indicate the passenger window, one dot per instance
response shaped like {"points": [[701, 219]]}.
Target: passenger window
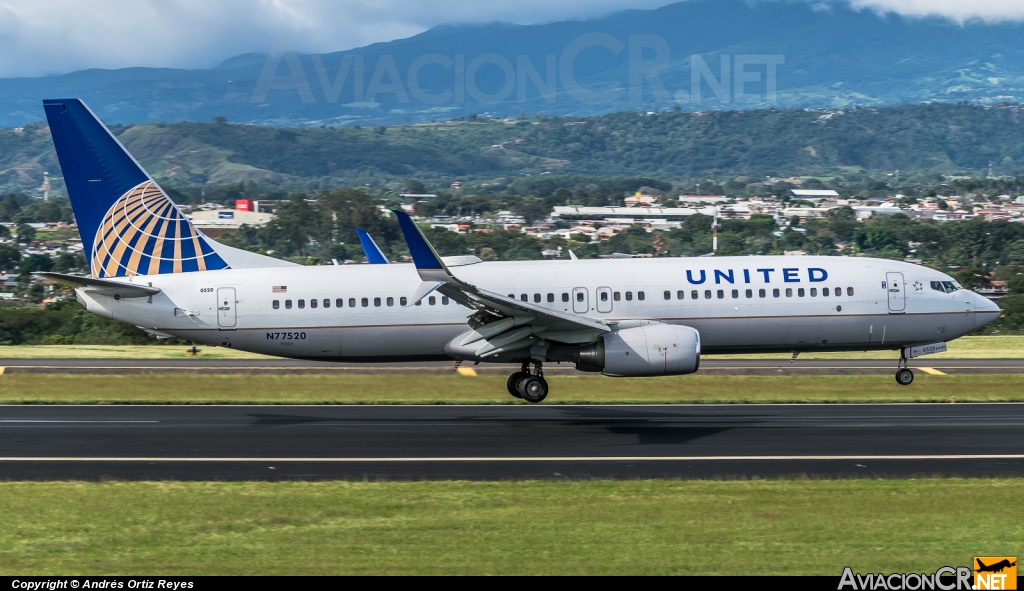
{"points": [[838, 291], [351, 302], [640, 295], [775, 292], [276, 304], [376, 302], [849, 291], [694, 295], [565, 297], [391, 301], [735, 293], [721, 294], [312, 303], [419, 303], [668, 295], [800, 292], [551, 297], [616, 296], [444, 300], [680, 295], [824, 292], [431, 300], [327, 303], [536, 298], [707, 294], [629, 296], [750, 293], [604, 296], [579, 296], [814, 292], [789, 292], [403, 301], [524, 297], [761, 293], [365, 302], [512, 296], [287, 304], [302, 304]]}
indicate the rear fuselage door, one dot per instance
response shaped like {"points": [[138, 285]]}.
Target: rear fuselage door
{"points": [[580, 300], [897, 293], [226, 307], [604, 299]]}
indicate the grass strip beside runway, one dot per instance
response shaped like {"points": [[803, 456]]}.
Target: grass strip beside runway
{"points": [[531, 527], [973, 347], [484, 389]]}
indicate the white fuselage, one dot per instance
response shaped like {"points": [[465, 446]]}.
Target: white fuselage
{"points": [[236, 308]]}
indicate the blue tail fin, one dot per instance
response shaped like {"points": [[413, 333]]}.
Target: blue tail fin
{"points": [[374, 256], [130, 226]]}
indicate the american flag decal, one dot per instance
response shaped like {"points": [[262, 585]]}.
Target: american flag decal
{"points": [[280, 289]]}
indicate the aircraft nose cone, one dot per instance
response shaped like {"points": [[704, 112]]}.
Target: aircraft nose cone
{"points": [[987, 310]]}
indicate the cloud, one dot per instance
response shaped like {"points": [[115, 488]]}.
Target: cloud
{"points": [[956, 10], [56, 36]]}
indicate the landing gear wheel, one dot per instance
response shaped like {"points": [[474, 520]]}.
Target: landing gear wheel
{"points": [[533, 389], [513, 383], [904, 376]]}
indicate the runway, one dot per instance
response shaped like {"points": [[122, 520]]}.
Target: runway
{"points": [[708, 365], [501, 442]]}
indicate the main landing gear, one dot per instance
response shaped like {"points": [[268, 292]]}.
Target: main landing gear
{"points": [[531, 387], [904, 376]]}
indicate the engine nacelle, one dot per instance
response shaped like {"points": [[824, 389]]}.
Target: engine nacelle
{"points": [[652, 350]]}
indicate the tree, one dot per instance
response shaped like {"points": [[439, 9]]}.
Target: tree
{"points": [[1015, 253], [220, 119], [26, 233], [415, 187], [9, 257]]}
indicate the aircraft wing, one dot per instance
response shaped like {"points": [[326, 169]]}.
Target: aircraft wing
{"points": [[107, 287], [436, 275], [374, 256]]}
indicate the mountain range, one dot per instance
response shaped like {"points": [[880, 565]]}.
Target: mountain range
{"points": [[695, 56]]}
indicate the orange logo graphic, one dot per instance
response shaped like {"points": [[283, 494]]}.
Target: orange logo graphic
{"points": [[995, 572]]}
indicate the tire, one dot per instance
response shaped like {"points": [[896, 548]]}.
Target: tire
{"points": [[513, 383], [533, 389], [904, 376]]}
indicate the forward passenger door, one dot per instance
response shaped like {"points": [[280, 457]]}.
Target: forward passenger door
{"points": [[897, 294]]}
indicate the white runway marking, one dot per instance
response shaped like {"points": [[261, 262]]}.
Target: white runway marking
{"points": [[520, 459], [55, 421]]}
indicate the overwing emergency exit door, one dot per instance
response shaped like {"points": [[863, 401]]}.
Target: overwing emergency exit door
{"points": [[580, 300], [604, 299], [897, 294], [226, 307]]}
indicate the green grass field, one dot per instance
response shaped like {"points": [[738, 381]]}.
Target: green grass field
{"points": [[485, 389], [986, 347], [531, 527]]}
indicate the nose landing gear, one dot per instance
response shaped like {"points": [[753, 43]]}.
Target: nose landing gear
{"points": [[904, 376], [531, 387]]}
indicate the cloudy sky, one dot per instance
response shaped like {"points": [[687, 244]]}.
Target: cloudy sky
{"points": [[56, 36]]}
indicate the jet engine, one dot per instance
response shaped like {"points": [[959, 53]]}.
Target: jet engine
{"points": [[651, 350]]}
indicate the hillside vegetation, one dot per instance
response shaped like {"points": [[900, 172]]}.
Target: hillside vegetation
{"points": [[935, 137]]}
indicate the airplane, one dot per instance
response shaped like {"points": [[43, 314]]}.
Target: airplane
{"points": [[994, 568], [620, 317]]}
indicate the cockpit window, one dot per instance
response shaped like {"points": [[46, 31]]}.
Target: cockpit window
{"points": [[945, 286]]}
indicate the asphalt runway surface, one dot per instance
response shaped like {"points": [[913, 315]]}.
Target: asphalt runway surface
{"points": [[509, 442], [708, 365]]}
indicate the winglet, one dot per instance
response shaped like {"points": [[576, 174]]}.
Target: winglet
{"points": [[572, 255], [374, 256], [428, 263]]}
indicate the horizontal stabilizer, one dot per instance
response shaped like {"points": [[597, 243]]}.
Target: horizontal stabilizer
{"points": [[107, 287]]}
